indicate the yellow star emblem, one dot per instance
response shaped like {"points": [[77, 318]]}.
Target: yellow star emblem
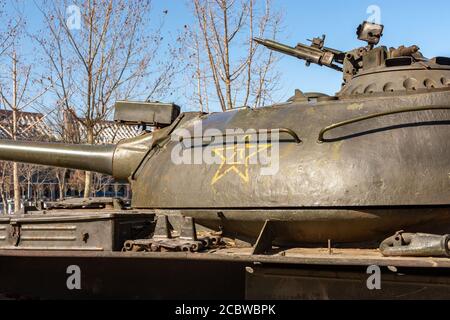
{"points": [[236, 158]]}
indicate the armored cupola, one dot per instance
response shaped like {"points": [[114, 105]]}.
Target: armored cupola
{"points": [[379, 70]]}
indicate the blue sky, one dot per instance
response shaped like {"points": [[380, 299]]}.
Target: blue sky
{"points": [[406, 22]]}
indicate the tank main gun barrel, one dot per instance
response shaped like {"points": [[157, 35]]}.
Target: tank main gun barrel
{"points": [[82, 157], [312, 54], [118, 160]]}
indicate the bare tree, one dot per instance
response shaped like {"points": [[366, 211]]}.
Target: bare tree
{"points": [[65, 128], [8, 28], [76, 181], [240, 72], [5, 183], [112, 55], [17, 96], [20, 88], [197, 73], [101, 182]]}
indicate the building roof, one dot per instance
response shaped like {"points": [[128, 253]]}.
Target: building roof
{"points": [[30, 125], [34, 126], [112, 132]]}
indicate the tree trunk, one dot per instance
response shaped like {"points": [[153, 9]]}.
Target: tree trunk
{"points": [[16, 187], [226, 45], [16, 181], [29, 189], [62, 184], [88, 184], [4, 202], [88, 174]]}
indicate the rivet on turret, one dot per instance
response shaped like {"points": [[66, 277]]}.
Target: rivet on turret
{"points": [[410, 84], [372, 88], [430, 84], [389, 87], [357, 90]]}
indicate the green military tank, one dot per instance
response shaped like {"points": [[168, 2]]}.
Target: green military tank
{"points": [[350, 169]]}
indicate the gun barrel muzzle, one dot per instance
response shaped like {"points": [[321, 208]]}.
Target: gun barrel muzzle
{"points": [[303, 52], [306, 53]]}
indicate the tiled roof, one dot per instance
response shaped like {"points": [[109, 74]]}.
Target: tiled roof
{"points": [[111, 132], [33, 126], [30, 125]]}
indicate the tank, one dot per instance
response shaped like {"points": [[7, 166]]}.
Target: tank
{"points": [[350, 168]]}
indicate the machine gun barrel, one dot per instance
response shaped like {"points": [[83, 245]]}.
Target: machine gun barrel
{"points": [[81, 157], [323, 57]]}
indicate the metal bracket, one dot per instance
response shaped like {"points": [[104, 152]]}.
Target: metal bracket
{"points": [[416, 245], [188, 229], [163, 228], [265, 238], [163, 240]]}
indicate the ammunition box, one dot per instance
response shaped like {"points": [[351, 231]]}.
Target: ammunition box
{"points": [[76, 232]]}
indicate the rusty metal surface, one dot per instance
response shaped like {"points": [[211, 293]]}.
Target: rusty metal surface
{"points": [[298, 256], [416, 245], [163, 239], [86, 203]]}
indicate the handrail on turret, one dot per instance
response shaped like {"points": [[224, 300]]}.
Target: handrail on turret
{"points": [[321, 138]]}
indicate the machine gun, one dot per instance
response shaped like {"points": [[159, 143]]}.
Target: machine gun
{"points": [[347, 62], [315, 53]]}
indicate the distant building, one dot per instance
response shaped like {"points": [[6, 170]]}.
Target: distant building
{"points": [[31, 126], [34, 126]]}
